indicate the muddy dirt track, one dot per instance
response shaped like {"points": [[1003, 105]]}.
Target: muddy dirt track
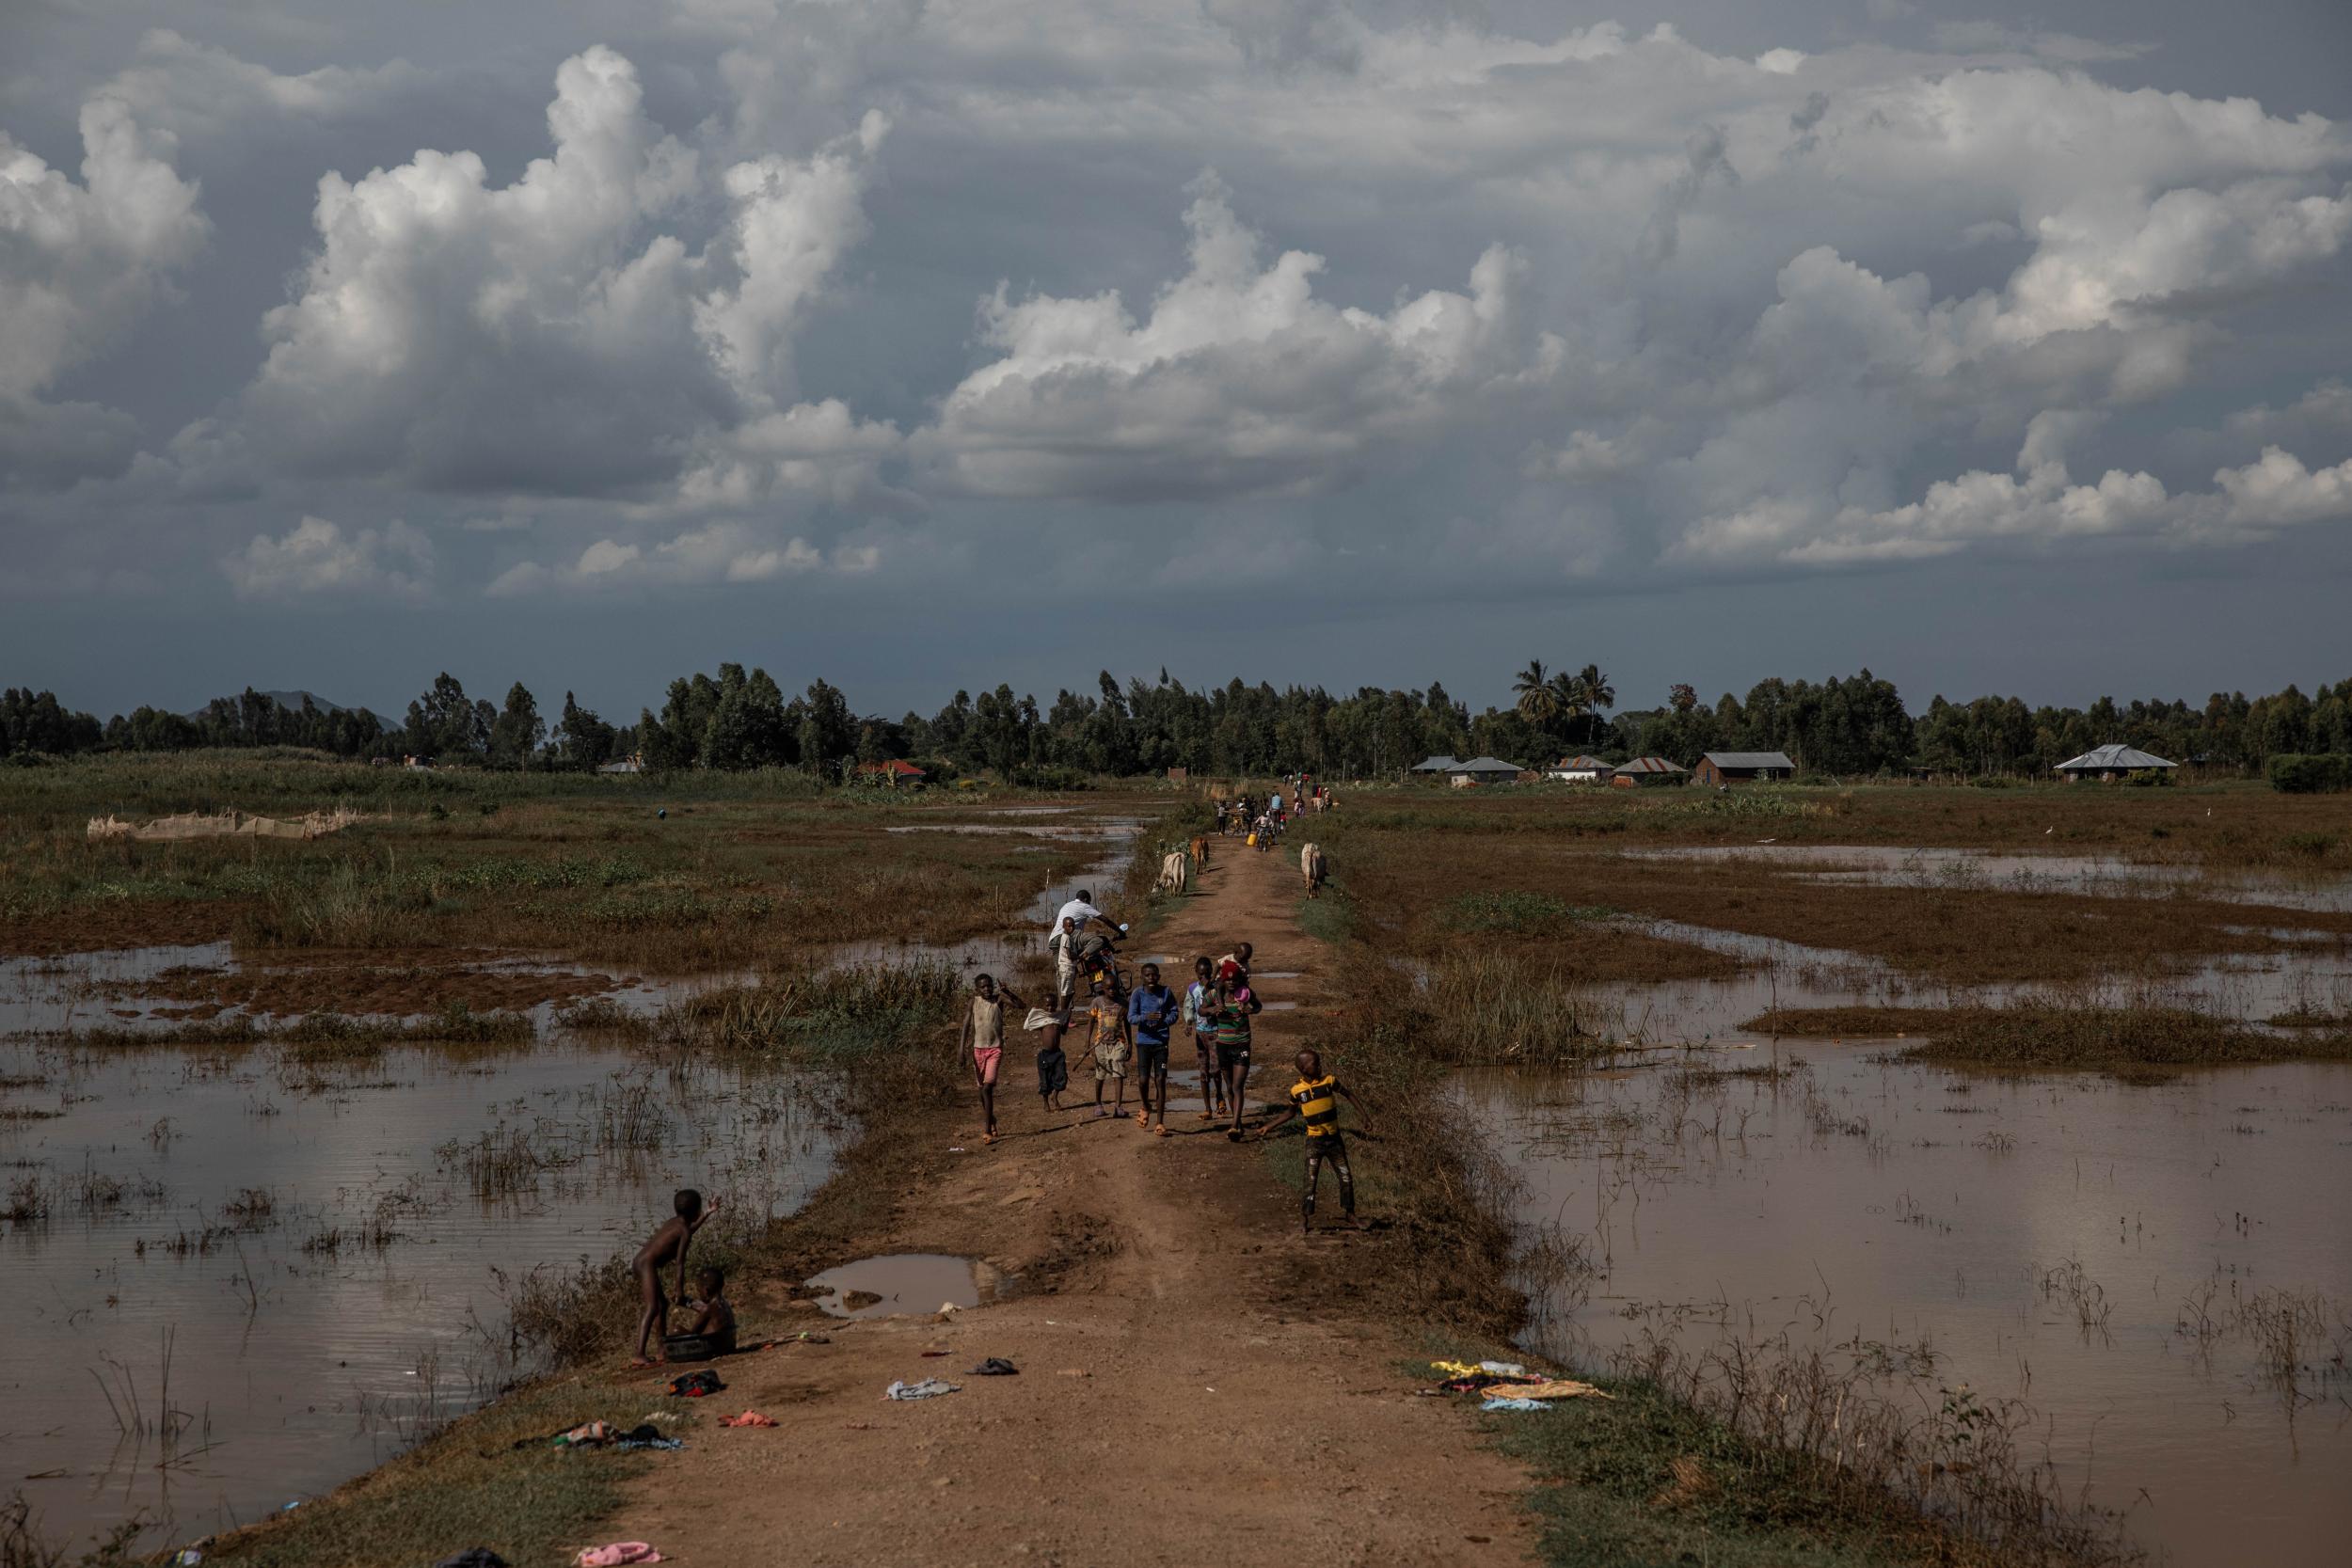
{"points": [[1197, 1383]]}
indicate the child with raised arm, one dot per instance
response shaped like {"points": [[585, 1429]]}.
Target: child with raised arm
{"points": [[667, 1244], [1316, 1096]]}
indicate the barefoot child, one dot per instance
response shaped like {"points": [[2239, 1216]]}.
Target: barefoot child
{"points": [[1052, 1063], [667, 1244], [1316, 1096], [983, 1042], [1235, 1002], [1109, 1016], [1200, 997]]}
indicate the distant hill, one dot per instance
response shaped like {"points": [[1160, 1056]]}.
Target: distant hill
{"points": [[289, 700]]}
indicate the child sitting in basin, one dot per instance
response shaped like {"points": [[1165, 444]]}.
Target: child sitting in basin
{"points": [[712, 1332], [667, 1244]]}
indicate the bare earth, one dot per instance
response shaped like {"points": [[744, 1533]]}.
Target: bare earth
{"points": [[1197, 1384]]}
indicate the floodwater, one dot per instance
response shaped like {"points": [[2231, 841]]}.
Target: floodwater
{"points": [[2122, 1259], [1997, 871], [2249, 988], [110, 988], [279, 1273], [900, 1283]]}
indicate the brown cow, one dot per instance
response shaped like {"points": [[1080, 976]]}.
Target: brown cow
{"points": [[1199, 854]]}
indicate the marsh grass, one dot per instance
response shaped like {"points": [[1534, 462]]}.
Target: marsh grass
{"points": [[741, 865], [815, 1015], [1515, 913], [1491, 1005]]}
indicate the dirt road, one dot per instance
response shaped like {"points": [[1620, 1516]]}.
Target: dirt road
{"points": [[1196, 1384]]}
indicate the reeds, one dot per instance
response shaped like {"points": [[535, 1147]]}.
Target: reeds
{"points": [[1492, 1005]]}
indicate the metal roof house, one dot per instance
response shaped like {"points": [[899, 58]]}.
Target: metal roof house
{"points": [[1579, 769], [1726, 768], [2109, 762], [1484, 771], [1435, 765], [1643, 771]]}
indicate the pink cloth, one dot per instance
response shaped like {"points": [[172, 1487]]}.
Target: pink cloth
{"points": [[616, 1554], [985, 1060]]}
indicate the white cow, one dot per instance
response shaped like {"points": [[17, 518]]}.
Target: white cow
{"points": [[1175, 871], [1312, 862]]}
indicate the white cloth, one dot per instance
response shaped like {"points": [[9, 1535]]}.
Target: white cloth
{"points": [[1079, 911]]}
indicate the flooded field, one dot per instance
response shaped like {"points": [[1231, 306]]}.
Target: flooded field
{"points": [[2150, 1287], [2248, 987], [233, 1280], [1962, 870]]}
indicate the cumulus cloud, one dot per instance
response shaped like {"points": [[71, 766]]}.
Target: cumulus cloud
{"points": [[718, 552], [1600, 301], [550, 334], [316, 558], [1239, 381], [2038, 503], [79, 264]]}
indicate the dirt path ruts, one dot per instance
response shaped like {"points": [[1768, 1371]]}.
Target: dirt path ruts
{"points": [[1225, 1416]]}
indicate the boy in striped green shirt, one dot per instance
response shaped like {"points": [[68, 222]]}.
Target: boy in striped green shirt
{"points": [[1316, 1097]]}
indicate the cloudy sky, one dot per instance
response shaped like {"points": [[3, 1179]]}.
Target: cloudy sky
{"points": [[922, 343]]}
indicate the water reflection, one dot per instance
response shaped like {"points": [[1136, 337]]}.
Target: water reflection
{"points": [[316, 1252], [2120, 1258]]}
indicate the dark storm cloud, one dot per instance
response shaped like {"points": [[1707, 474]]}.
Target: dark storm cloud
{"points": [[754, 321]]}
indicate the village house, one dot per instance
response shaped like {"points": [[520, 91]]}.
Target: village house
{"points": [[2109, 763], [893, 773], [1729, 768], [1643, 771], [1480, 770], [1579, 769]]}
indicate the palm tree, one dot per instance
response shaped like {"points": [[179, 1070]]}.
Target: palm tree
{"points": [[1537, 703], [1597, 696], [1567, 696]]}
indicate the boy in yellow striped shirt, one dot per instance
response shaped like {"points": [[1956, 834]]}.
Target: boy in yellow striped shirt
{"points": [[1316, 1097]]}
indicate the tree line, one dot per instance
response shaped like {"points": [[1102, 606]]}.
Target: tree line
{"points": [[1854, 726]]}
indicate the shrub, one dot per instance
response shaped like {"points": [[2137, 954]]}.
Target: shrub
{"points": [[2291, 774]]}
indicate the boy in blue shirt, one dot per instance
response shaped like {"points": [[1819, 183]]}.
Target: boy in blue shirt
{"points": [[1151, 1015]]}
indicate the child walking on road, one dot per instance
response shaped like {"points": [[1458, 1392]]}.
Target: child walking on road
{"points": [[1316, 1096], [1200, 997], [1235, 1002], [1151, 1016], [1109, 1016], [983, 1042]]}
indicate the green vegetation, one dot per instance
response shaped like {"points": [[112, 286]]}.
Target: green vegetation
{"points": [[1515, 913], [2303, 774], [469, 1485]]}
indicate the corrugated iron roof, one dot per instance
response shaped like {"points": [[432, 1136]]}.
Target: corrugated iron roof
{"points": [[1433, 764], [1485, 764], [1752, 759], [1581, 764], [1650, 764], [2102, 759]]}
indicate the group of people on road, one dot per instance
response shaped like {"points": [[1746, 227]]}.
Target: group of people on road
{"points": [[1130, 1031], [1265, 819]]}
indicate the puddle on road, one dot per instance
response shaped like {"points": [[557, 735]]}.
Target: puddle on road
{"points": [[320, 1250], [2107, 1253], [898, 1284]]}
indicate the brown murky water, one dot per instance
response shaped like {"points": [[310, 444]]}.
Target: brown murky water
{"points": [[277, 1274], [2161, 1274], [898, 1283]]}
